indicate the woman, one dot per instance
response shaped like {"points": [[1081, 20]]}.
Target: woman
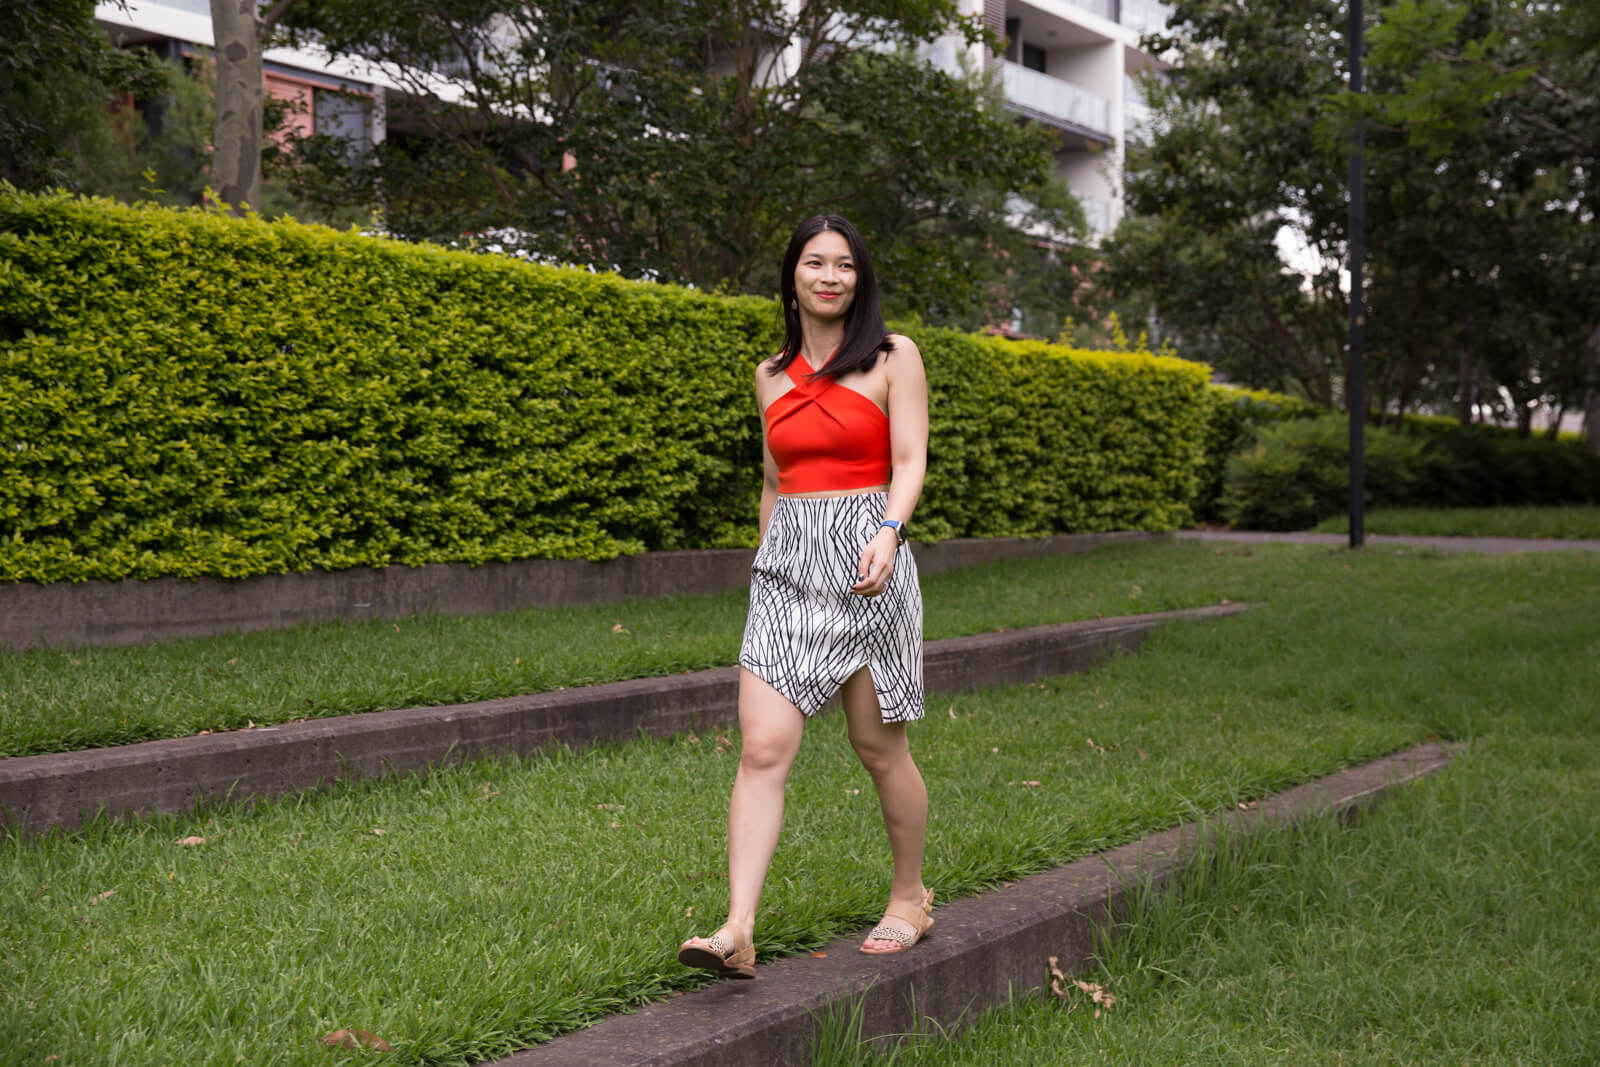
{"points": [[834, 603]]}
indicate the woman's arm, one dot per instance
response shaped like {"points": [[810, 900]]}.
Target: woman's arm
{"points": [[769, 466], [908, 458]]}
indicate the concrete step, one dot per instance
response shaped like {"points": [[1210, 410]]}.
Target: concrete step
{"points": [[982, 951], [61, 789]]}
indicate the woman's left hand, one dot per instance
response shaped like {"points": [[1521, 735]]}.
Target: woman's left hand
{"points": [[877, 563]]}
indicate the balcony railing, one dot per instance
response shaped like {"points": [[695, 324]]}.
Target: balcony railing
{"points": [[1106, 9], [1145, 16], [1053, 98]]}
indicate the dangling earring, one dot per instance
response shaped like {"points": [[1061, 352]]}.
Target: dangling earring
{"points": [[794, 303]]}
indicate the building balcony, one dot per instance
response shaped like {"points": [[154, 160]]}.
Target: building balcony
{"points": [[1144, 16], [1106, 9], [1058, 102]]}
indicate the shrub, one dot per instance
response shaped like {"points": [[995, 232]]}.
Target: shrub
{"points": [[1298, 473], [185, 394], [1233, 417]]}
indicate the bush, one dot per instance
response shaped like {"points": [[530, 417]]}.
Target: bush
{"points": [[1474, 468], [1233, 417], [1298, 474], [186, 394]]}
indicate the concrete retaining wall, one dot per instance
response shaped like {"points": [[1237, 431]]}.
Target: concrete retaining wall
{"points": [[983, 950], [39, 793], [137, 612]]}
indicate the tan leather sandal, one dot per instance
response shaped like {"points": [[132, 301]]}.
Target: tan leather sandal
{"points": [[721, 954], [917, 916]]}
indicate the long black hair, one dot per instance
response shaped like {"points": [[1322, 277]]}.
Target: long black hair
{"points": [[865, 335]]}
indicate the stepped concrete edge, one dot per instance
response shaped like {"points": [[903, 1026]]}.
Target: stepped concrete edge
{"points": [[58, 790], [982, 951]]}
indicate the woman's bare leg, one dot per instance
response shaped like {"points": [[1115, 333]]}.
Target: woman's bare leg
{"points": [[771, 728], [902, 796]]}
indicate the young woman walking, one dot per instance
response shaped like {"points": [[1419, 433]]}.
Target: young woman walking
{"points": [[834, 603]]}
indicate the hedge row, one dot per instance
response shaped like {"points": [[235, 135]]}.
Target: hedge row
{"points": [[1297, 473], [183, 394]]}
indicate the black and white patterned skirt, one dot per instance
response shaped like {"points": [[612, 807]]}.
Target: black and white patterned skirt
{"points": [[807, 633]]}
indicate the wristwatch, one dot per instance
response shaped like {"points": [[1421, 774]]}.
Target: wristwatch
{"points": [[898, 527]]}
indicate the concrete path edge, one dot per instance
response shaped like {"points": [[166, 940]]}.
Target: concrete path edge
{"points": [[984, 949], [59, 790]]}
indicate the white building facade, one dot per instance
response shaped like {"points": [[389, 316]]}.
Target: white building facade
{"points": [[334, 95], [1070, 64]]}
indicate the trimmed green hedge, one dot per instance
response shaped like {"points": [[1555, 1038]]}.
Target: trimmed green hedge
{"points": [[1233, 418], [1297, 474], [184, 394]]}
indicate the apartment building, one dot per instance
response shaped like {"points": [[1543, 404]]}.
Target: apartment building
{"points": [[1071, 64], [333, 95], [1067, 63]]}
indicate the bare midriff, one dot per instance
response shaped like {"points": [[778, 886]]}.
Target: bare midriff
{"points": [[884, 488]]}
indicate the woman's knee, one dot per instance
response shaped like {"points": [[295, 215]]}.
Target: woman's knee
{"points": [[880, 748], [766, 752]]}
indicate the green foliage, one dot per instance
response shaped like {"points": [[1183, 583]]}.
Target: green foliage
{"points": [[1298, 473], [655, 139], [187, 394], [1479, 157], [58, 75], [1233, 416], [1032, 438]]}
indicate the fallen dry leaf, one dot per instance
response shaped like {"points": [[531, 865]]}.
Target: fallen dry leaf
{"points": [[396, 627], [377, 831], [853, 792], [994, 750], [191, 841], [1025, 783], [616, 825], [232, 661], [952, 711], [688, 913], [608, 807], [819, 955], [619, 629], [356, 1039], [103, 896], [1142, 753], [1090, 742], [51, 1059]]}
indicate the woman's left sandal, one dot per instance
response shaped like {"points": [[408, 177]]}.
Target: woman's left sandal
{"points": [[721, 954], [918, 917]]}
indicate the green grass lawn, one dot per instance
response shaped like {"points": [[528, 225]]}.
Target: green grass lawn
{"points": [[59, 700], [505, 901], [1457, 924], [1564, 522]]}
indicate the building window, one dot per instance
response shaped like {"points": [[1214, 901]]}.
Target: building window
{"points": [[1033, 57]]}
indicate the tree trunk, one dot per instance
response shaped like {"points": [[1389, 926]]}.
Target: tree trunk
{"points": [[1591, 398], [236, 141]]}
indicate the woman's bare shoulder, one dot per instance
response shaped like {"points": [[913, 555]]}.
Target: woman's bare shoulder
{"points": [[903, 351]]}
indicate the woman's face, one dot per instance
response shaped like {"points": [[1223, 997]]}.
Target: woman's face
{"points": [[825, 276]]}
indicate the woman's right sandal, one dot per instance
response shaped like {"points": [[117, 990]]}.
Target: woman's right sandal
{"points": [[918, 917], [719, 953]]}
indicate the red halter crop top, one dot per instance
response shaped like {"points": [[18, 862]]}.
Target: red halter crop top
{"points": [[825, 436]]}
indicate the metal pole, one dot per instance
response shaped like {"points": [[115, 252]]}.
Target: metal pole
{"points": [[1355, 377]]}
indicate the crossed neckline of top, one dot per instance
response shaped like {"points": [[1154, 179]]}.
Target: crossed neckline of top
{"points": [[817, 388]]}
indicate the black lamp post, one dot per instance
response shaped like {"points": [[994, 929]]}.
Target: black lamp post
{"points": [[1355, 376]]}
